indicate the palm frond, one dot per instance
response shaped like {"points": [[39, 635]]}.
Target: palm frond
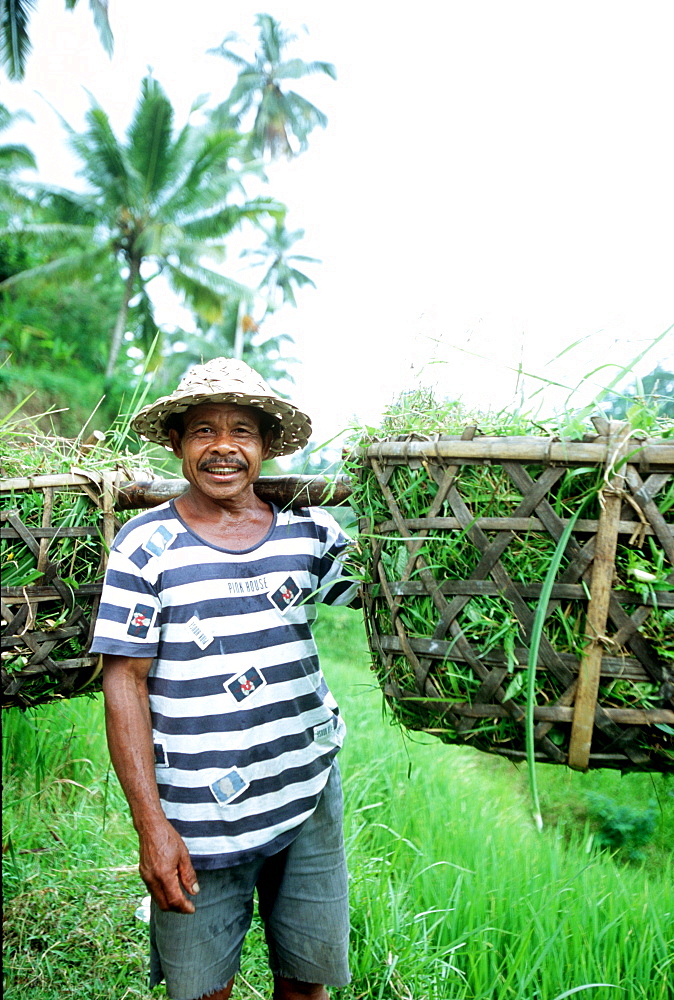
{"points": [[58, 231], [99, 8], [149, 137], [206, 291], [272, 37], [242, 95], [224, 221], [105, 164], [226, 53], [16, 157], [8, 117], [85, 264], [15, 44], [208, 178], [293, 69]]}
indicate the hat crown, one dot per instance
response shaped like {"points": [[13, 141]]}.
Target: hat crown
{"points": [[223, 375]]}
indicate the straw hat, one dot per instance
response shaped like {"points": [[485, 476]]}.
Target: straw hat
{"points": [[226, 380]]}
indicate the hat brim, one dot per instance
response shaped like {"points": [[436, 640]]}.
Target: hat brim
{"points": [[293, 430]]}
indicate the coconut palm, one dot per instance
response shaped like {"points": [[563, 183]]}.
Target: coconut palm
{"points": [[15, 39], [158, 203], [279, 114], [281, 274]]}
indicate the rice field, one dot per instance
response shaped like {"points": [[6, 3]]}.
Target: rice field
{"points": [[455, 895]]}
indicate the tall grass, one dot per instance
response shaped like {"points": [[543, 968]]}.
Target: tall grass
{"points": [[455, 895]]}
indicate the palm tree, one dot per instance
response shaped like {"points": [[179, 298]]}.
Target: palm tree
{"points": [[14, 38], [158, 203], [281, 274], [279, 114]]}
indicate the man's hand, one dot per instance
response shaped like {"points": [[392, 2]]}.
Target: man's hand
{"points": [[166, 869]]}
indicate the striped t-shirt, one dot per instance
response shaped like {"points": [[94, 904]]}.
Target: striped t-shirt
{"points": [[244, 726]]}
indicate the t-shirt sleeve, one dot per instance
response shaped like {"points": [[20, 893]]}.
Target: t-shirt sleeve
{"points": [[128, 616], [338, 583]]}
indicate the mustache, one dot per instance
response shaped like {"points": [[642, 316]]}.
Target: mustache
{"points": [[212, 462]]}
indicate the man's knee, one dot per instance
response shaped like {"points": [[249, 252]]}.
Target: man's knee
{"points": [[294, 989]]}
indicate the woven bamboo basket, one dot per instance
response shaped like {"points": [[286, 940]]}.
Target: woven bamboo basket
{"points": [[48, 623], [604, 699]]}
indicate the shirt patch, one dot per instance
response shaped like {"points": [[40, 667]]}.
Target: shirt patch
{"points": [[226, 788], [159, 541], [160, 753], [325, 732], [200, 636], [330, 733], [245, 684], [140, 620], [285, 596]]}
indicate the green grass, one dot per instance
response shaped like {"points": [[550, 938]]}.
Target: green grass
{"points": [[455, 895]]}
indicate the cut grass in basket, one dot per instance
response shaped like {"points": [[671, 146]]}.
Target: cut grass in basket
{"points": [[54, 579]]}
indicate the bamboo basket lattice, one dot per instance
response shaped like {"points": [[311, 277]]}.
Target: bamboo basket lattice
{"points": [[450, 635], [48, 623]]}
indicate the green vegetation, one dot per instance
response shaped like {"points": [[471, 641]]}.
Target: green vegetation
{"points": [[454, 893], [162, 202]]}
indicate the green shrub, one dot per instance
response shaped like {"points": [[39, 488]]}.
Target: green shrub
{"points": [[622, 827]]}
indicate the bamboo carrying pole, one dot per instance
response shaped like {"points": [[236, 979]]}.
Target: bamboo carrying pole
{"points": [[611, 499], [285, 491]]}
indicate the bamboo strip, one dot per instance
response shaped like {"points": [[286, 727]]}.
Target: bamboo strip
{"points": [[531, 592], [658, 524], [548, 713], [498, 524], [617, 667], [77, 531], [39, 482], [603, 568], [524, 449]]}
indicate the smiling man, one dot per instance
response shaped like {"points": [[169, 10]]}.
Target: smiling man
{"points": [[221, 727]]}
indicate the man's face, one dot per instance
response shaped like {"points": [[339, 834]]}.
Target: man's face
{"points": [[222, 448]]}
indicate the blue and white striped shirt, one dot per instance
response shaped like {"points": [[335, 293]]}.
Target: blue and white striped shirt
{"points": [[244, 726]]}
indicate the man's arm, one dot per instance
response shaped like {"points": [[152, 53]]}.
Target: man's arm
{"points": [[165, 864]]}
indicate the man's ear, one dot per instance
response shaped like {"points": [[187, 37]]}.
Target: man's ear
{"points": [[174, 438], [267, 443]]}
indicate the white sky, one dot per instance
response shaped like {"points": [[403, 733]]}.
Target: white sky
{"points": [[496, 177]]}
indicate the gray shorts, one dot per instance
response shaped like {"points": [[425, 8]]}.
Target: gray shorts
{"points": [[302, 900]]}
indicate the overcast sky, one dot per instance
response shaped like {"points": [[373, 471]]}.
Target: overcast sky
{"points": [[495, 183]]}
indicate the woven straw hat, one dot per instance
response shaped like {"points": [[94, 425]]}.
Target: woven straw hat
{"points": [[226, 380]]}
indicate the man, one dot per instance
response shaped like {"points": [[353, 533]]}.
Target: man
{"points": [[221, 727]]}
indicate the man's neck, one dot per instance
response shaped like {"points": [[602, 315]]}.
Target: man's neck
{"points": [[235, 523]]}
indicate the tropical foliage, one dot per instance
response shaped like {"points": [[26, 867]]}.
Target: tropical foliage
{"points": [[132, 271]]}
